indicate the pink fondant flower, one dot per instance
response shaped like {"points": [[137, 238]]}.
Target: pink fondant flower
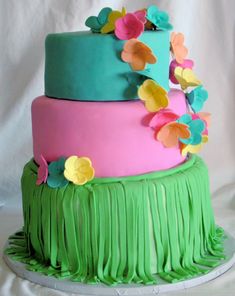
{"points": [[141, 15], [162, 118], [128, 27], [187, 64], [42, 171]]}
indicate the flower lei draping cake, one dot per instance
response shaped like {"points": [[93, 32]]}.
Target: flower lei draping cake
{"points": [[188, 132]]}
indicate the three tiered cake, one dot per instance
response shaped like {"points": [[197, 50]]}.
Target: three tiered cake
{"points": [[115, 193]]}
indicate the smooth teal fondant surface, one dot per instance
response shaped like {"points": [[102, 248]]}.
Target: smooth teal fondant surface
{"points": [[87, 66]]}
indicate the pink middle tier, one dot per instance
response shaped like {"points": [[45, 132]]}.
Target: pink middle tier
{"points": [[111, 134]]}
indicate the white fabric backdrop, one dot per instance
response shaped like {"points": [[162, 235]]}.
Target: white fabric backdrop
{"points": [[209, 28]]}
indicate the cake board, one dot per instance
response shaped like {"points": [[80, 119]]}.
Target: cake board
{"points": [[103, 290]]}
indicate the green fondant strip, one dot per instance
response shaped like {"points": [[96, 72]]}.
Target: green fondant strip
{"points": [[121, 230]]}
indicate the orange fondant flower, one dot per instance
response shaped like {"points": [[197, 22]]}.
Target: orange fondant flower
{"points": [[177, 46], [137, 54], [170, 133]]}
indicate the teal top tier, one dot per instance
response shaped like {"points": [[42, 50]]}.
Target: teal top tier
{"points": [[87, 66]]}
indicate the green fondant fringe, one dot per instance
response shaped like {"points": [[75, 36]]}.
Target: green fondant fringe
{"points": [[121, 230]]}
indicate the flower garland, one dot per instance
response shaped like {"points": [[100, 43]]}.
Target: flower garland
{"points": [[58, 174], [188, 132]]}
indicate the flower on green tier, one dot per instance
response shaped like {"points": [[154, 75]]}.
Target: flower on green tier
{"points": [[196, 127], [96, 23], [42, 171], [197, 98], [56, 177], [158, 18], [79, 170]]}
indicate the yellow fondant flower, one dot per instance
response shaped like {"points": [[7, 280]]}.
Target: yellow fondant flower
{"points": [[154, 96], [186, 77], [113, 16], [79, 170], [185, 149]]}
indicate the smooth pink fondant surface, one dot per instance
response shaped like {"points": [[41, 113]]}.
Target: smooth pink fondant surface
{"points": [[111, 134]]}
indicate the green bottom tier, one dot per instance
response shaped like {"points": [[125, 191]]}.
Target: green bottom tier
{"points": [[122, 230]]}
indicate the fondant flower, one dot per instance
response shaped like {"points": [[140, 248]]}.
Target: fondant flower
{"points": [[159, 18], [79, 170], [196, 128], [141, 15], [137, 54], [162, 118], [128, 27], [205, 117], [42, 171], [197, 98], [185, 149], [97, 23], [187, 64], [154, 96], [186, 78], [113, 16], [56, 177], [177, 47], [170, 134]]}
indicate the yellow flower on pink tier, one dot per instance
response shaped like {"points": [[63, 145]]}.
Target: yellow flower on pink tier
{"points": [[113, 16], [154, 96], [137, 54], [178, 48], [185, 149], [79, 170]]}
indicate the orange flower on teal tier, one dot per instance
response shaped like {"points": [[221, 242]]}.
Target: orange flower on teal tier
{"points": [[137, 54], [178, 48], [154, 96], [79, 170]]}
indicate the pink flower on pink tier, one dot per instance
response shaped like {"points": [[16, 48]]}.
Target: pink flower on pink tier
{"points": [[42, 171], [128, 27], [187, 64], [162, 118]]}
